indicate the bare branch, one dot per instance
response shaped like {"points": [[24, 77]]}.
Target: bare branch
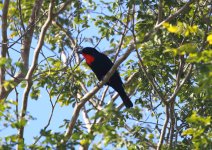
{"points": [[32, 68], [96, 105], [172, 117], [163, 132], [88, 126], [20, 14], [4, 44], [123, 36], [4, 28], [16, 107], [103, 96], [160, 11], [30, 30], [177, 88], [86, 118], [180, 70]]}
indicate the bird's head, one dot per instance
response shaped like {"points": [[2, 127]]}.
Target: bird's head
{"points": [[88, 50], [89, 54]]}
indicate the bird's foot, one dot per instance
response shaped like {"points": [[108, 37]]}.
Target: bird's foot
{"points": [[98, 84]]}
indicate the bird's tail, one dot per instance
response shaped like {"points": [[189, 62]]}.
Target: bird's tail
{"points": [[126, 100]]}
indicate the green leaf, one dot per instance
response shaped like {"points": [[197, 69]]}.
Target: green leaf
{"points": [[9, 84], [3, 61], [35, 93]]}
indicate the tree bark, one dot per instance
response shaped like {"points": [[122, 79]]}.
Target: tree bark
{"points": [[4, 46]]}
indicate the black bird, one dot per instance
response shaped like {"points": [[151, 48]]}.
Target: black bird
{"points": [[101, 64]]}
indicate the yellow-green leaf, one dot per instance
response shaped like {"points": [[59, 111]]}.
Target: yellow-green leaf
{"points": [[172, 29], [209, 39], [3, 61]]}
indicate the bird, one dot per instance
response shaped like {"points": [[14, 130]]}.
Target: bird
{"points": [[100, 64]]}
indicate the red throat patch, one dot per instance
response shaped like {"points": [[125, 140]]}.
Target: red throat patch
{"points": [[88, 58]]}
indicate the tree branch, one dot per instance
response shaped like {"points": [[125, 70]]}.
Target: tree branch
{"points": [[180, 70], [16, 79], [20, 14], [177, 88], [163, 132], [96, 105], [160, 11], [172, 117], [25, 50], [103, 96], [4, 45], [20, 76], [31, 70], [86, 118], [123, 36]]}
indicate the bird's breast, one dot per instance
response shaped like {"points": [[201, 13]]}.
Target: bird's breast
{"points": [[88, 58]]}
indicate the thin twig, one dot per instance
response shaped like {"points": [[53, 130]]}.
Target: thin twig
{"points": [[177, 88], [20, 14], [160, 11], [16, 106], [163, 132], [103, 96], [53, 105]]}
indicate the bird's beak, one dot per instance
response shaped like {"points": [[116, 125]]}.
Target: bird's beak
{"points": [[79, 52]]}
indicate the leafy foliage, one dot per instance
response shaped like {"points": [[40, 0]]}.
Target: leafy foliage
{"points": [[177, 52]]}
